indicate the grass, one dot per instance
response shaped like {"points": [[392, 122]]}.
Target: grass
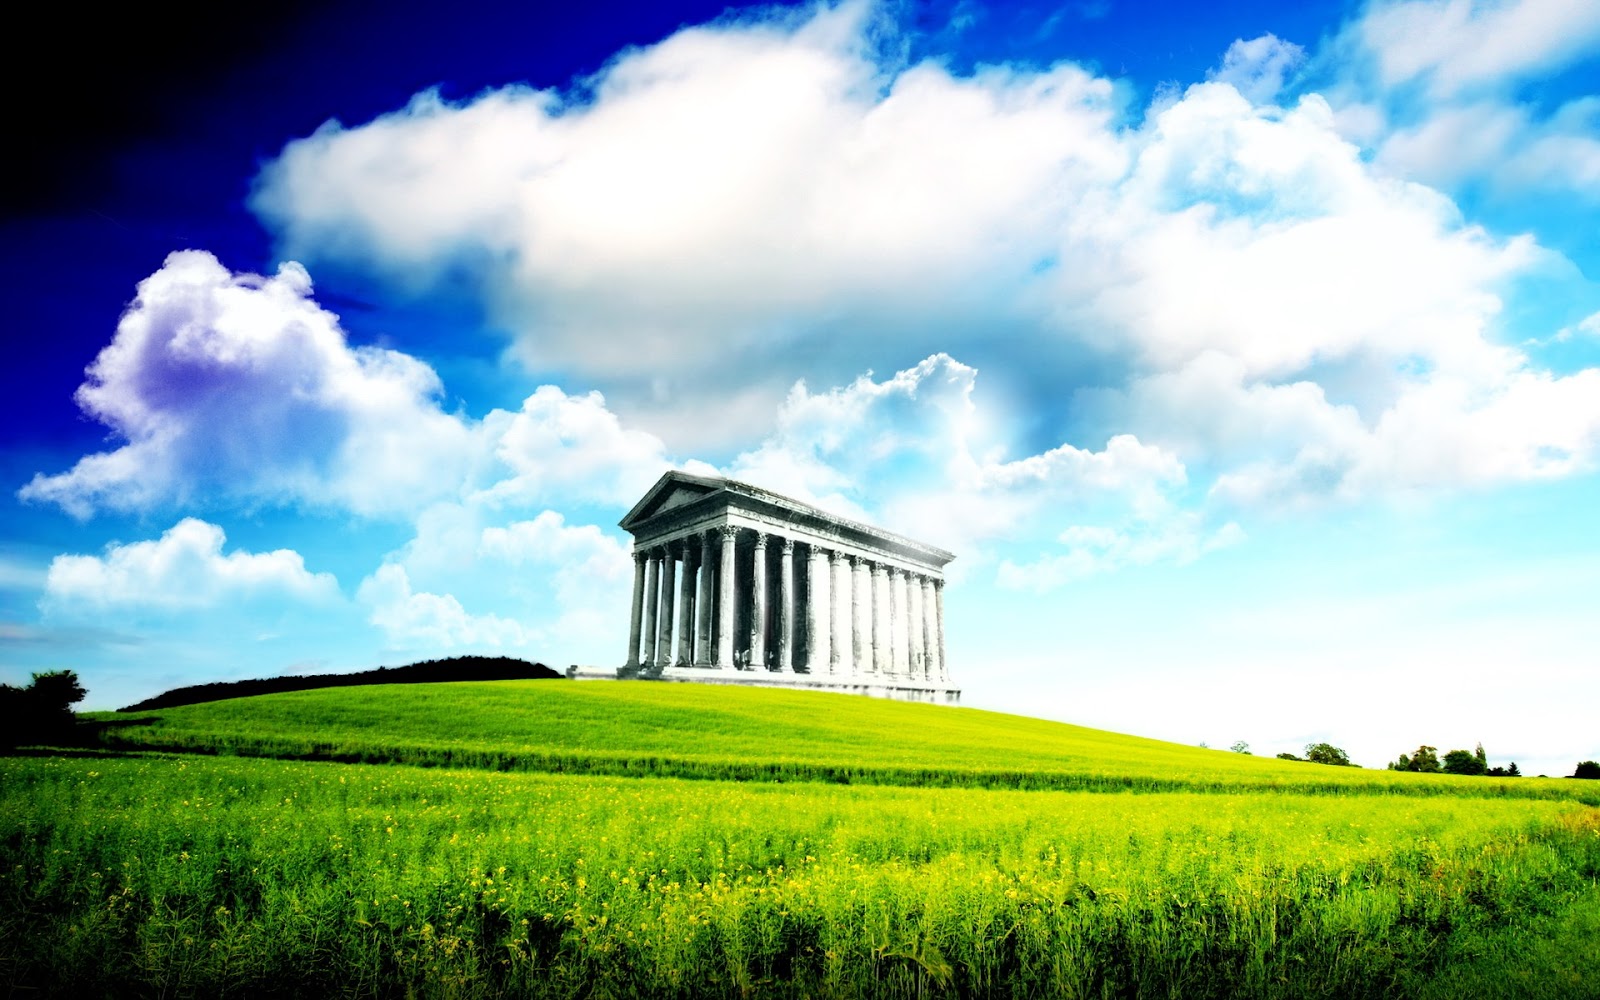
{"points": [[693, 731], [946, 875]]}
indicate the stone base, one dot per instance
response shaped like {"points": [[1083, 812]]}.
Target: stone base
{"points": [[873, 686]]}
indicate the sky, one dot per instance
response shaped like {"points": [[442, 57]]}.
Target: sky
{"points": [[1247, 354]]}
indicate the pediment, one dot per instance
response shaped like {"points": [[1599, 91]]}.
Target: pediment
{"points": [[672, 490]]}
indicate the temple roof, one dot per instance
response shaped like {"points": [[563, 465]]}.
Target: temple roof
{"points": [[677, 490]]}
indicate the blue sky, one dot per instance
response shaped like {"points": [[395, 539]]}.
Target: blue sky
{"points": [[1247, 355]]}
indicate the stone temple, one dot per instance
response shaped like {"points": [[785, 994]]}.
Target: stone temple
{"points": [[734, 584]]}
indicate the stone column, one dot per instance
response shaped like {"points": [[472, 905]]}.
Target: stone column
{"points": [[861, 598], [880, 620], [758, 605], [930, 631], [897, 621], [634, 622], [938, 614], [652, 600], [786, 608], [816, 612], [669, 569], [918, 651], [686, 607], [705, 604], [840, 656], [725, 609]]}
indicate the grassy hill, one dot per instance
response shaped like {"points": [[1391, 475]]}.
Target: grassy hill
{"points": [[700, 731], [867, 849]]}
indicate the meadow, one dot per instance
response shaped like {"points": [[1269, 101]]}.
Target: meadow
{"points": [[698, 731], [164, 874]]}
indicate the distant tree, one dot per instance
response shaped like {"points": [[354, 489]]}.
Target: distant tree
{"points": [[1505, 772], [1587, 769], [42, 711], [1482, 759], [1463, 762], [1287, 756], [1402, 764], [1512, 772], [1326, 753], [1240, 747], [1425, 760]]}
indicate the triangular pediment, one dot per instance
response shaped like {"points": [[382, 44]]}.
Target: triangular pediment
{"points": [[672, 490]]}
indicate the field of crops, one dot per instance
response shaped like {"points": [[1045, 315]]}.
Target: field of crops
{"points": [[195, 875]]}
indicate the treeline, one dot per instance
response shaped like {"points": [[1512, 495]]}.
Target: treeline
{"points": [[42, 711], [1427, 761], [454, 668]]}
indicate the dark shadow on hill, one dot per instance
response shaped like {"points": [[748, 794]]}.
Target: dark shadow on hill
{"points": [[455, 668]]}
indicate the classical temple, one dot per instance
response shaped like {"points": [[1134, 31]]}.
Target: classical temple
{"points": [[733, 584]]}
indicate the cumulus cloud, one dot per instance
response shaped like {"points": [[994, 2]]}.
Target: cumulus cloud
{"points": [[239, 388], [911, 453], [560, 446], [434, 621], [183, 569], [242, 387], [741, 204], [1258, 68]]}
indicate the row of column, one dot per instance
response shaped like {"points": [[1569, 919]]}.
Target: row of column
{"points": [[836, 614]]}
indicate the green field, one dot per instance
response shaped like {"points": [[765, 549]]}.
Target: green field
{"points": [[903, 851]]}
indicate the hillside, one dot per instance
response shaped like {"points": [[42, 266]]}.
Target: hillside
{"points": [[685, 730]]}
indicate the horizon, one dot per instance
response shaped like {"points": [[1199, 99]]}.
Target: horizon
{"points": [[1248, 359]]}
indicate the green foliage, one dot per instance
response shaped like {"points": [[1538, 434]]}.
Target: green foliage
{"points": [[1425, 761], [1241, 747], [1587, 769], [1326, 753], [212, 876], [1288, 756], [1464, 762], [42, 711]]}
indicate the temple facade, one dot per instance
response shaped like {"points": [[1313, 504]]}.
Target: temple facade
{"points": [[733, 584]]}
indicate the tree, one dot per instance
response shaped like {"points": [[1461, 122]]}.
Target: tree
{"points": [[1482, 759], [1326, 753], [1505, 772], [1241, 747], [1426, 760], [1587, 769], [1402, 764], [1287, 756], [1463, 762], [42, 711]]}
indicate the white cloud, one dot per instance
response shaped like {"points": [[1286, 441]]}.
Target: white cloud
{"points": [[910, 453], [413, 619], [183, 569], [238, 386], [1455, 45], [1257, 68], [558, 447], [747, 203], [1095, 549]]}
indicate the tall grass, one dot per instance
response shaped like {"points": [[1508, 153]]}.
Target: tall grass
{"points": [[214, 876]]}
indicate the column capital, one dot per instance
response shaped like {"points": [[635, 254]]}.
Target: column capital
{"points": [[728, 532], [788, 545], [854, 561], [876, 567], [894, 571], [761, 539], [640, 555], [832, 555]]}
